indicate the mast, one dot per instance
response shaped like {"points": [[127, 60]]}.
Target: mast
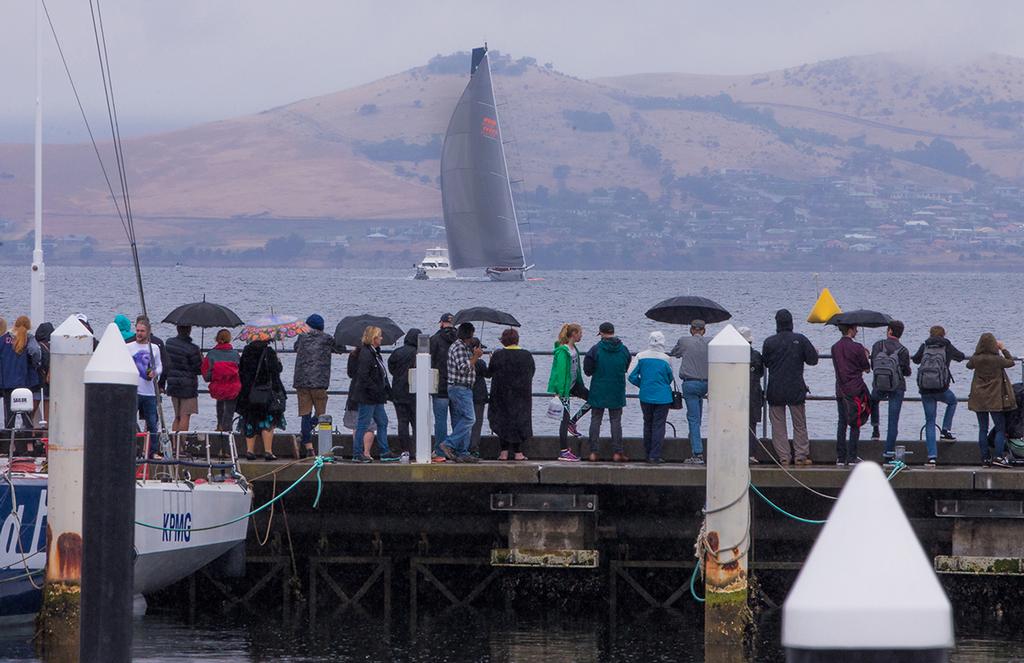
{"points": [[508, 179], [38, 278]]}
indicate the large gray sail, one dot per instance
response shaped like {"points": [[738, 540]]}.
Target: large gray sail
{"points": [[479, 216]]}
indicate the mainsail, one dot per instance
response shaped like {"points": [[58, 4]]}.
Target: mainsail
{"points": [[479, 215]]}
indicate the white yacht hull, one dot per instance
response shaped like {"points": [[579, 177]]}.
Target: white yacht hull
{"points": [[507, 273]]}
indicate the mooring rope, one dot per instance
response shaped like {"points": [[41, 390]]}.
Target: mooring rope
{"points": [[318, 464]]}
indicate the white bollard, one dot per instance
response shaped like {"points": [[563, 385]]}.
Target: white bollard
{"points": [[867, 591], [70, 351], [728, 480], [422, 383]]}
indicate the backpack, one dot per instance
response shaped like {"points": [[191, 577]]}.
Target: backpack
{"points": [[933, 375], [885, 368]]}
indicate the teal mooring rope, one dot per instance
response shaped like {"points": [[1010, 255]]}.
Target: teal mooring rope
{"points": [[317, 465]]}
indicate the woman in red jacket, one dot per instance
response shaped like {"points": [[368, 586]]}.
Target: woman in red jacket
{"points": [[220, 370]]}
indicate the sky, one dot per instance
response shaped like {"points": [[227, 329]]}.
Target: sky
{"points": [[180, 62]]}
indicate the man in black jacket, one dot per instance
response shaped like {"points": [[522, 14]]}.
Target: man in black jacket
{"points": [[440, 342], [399, 363], [785, 354], [182, 376]]}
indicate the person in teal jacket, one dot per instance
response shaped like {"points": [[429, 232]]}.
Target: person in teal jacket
{"points": [[567, 380], [607, 363], [652, 373]]}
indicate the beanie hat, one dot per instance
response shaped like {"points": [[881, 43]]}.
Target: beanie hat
{"points": [[315, 321]]}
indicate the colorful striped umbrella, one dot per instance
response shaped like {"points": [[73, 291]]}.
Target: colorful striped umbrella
{"points": [[273, 327]]}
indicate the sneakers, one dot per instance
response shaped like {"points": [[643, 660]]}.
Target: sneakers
{"points": [[840, 463], [804, 461], [568, 456], [593, 458], [875, 434], [696, 459], [390, 457], [655, 461], [619, 457], [1001, 461], [467, 458], [947, 435], [446, 451], [571, 427], [404, 458], [362, 458], [503, 455], [854, 461], [931, 464], [438, 459], [986, 462]]}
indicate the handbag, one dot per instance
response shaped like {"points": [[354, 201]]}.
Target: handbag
{"points": [[677, 397], [555, 408], [263, 393]]}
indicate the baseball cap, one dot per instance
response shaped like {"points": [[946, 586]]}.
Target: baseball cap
{"points": [[447, 317], [697, 324], [606, 328]]}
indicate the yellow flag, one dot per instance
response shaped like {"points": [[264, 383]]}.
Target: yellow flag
{"points": [[824, 308]]}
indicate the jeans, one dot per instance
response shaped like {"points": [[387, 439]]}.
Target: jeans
{"points": [[147, 405], [614, 419], [931, 406], [895, 399], [846, 449], [406, 413], [378, 414], [440, 405], [655, 415], [225, 414], [999, 423], [693, 392], [463, 418]]}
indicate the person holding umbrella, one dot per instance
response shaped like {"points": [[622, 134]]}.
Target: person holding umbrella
{"points": [[692, 352], [370, 392], [566, 380], [853, 402], [182, 375]]}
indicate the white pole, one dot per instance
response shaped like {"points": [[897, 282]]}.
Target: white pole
{"points": [[38, 278], [423, 410], [70, 351], [728, 480]]}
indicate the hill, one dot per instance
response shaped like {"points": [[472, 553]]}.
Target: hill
{"points": [[370, 153]]}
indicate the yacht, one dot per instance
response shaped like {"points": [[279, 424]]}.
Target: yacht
{"points": [[435, 265]]}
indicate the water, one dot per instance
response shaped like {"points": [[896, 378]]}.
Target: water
{"points": [[965, 304]]}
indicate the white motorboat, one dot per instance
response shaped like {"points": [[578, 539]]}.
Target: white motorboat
{"points": [[435, 265]]}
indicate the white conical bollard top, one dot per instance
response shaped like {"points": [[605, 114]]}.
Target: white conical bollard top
{"points": [[111, 362], [728, 347], [867, 583], [71, 338]]}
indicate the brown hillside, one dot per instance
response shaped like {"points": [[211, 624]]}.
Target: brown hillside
{"points": [[370, 152]]}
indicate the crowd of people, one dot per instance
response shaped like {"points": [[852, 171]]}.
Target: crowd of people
{"points": [[251, 398]]}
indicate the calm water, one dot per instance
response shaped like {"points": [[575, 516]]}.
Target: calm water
{"points": [[966, 304]]}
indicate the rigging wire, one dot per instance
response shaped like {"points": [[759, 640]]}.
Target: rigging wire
{"points": [[85, 118]]}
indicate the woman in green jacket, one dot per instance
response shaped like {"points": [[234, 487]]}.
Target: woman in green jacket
{"points": [[567, 380]]}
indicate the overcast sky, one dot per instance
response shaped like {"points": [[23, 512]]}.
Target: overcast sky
{"points": [[178, 62]]}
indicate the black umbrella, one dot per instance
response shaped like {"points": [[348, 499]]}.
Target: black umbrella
{"points": [[484, 314], [686, 309], [860, 318], [350, 330], [203, 314]]}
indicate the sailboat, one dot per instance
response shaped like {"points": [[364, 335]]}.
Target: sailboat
{"points": [[480, 219]]}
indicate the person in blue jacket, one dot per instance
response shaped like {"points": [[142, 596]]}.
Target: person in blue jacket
{"points": [[652, 373]]}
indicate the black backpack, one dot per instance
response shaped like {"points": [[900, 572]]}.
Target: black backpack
{"points": [[933, 375], [885, 368]]}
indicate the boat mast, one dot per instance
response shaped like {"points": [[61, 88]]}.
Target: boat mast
{"points": [[501, 146], [37, 310]]}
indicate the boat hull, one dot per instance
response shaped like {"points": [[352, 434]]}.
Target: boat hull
{"points": [[507, 273], [162, 557]]}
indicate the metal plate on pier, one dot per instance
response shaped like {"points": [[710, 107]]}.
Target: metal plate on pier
{"points": [[561, 559], [557, 502], [979, 508]]}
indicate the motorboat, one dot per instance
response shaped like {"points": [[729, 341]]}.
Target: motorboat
{"points": [[435, 265]]}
